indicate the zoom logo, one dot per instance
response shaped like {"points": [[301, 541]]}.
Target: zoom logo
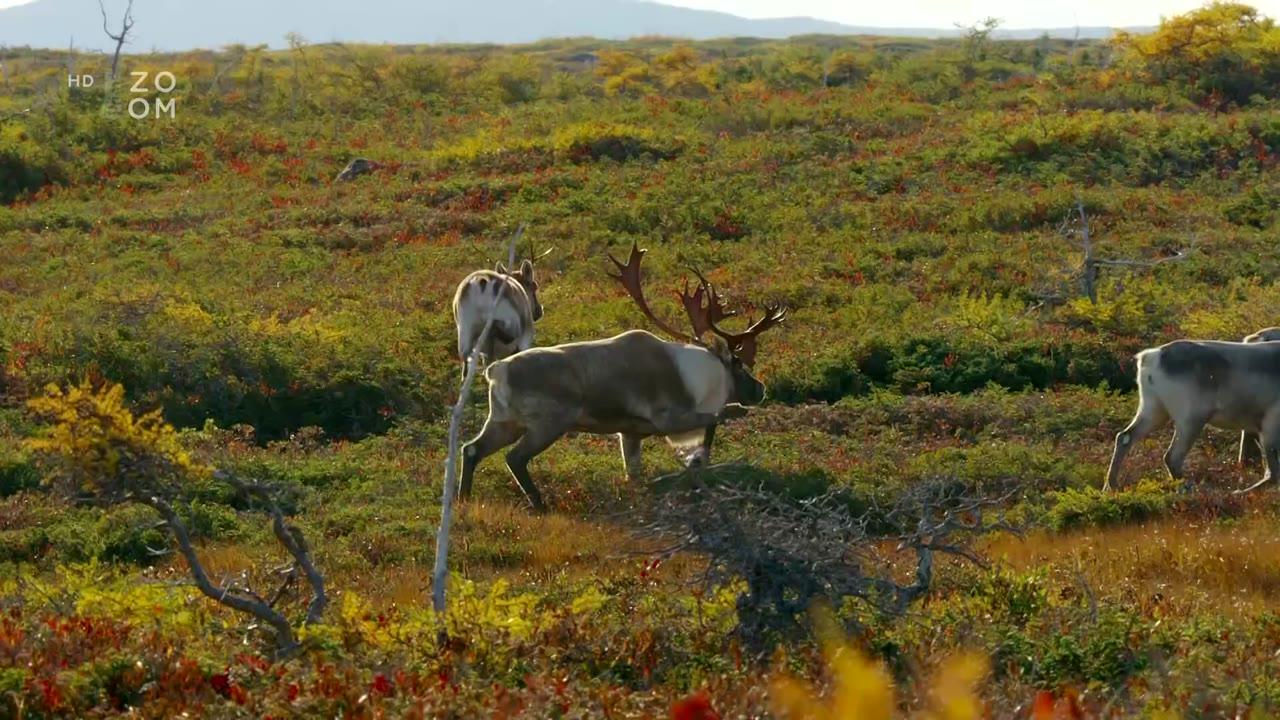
{"points": [[156, 88]]}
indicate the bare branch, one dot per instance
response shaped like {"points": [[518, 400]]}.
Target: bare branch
{"points": [[225, 595], [17, 113], [440, 571], [291, 538], [833, 546], [121, 38], [1091, 264]]}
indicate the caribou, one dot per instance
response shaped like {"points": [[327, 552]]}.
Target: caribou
{"points": [[514, 312], [1250, 443], [1228, 385], [634, 385]]}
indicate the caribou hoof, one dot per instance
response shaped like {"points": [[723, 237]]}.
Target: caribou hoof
{"points": [[696, 459]]}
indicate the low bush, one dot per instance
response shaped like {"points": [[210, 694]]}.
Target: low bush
{"points": [[1091, 507], [25, 168]]}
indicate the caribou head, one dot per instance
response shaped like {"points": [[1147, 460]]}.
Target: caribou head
{"points": [[524, 274]]}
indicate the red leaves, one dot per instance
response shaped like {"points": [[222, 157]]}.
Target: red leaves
{"points": [[1048, 707], [649, 567], [267, 146], [695, 707], [227, 687], [726, 226], [50, 694], [221, 683]]}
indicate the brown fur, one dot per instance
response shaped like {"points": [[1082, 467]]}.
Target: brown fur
{"points": [[634, 384]]}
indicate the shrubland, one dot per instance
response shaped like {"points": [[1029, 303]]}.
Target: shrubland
{"points": [[908, 200]]}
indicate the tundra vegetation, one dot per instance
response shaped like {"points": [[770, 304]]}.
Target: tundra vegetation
{"points": [[904, 200]]}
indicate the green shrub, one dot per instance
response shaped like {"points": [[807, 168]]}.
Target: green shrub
{"points": [[1259, 208], [1091, 507], [25, 169], [620, 142], [17, 472]]}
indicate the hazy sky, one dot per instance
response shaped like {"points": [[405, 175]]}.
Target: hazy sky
{"points": [[944, 13]]}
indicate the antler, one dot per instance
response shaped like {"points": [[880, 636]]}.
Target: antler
{"points": [[743, 344], [533, 253], [629, 275], [704, 307]]}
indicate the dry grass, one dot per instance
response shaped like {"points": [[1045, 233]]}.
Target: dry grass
{"points": [[1180, 564], [501, 539]]}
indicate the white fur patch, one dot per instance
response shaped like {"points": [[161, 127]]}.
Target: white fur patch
{"points": [[473, 312], [705, 377], [686, 441], [706, 380]]}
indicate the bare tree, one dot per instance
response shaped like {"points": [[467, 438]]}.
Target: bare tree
{"points": [[297, 47], [1077, 224], [122, 37], [794, 552]]}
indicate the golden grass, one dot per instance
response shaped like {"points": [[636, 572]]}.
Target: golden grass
{"points": [[1179, 564], [546, 546]]}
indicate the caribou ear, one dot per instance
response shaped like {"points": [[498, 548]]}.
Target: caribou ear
{"points": [[526, 269], [721, 349], [502, 268]]}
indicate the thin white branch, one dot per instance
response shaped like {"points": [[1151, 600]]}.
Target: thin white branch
{"points": [[440, 573]]}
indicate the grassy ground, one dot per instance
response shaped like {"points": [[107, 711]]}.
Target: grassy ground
{"points": [[911, 213]]}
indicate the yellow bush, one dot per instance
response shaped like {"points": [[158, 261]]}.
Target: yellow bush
{"points": [[102, 447], [862, 688]]}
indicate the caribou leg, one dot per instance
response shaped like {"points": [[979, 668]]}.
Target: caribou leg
{"points": [[1250, 449], [702, 456], [1149, 417], [630, 445], [1184, 436], [1271, 451], [535, 440], [492, 438], [1270, 441]]}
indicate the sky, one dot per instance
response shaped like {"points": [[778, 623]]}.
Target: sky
{"points": [[946, 13]]}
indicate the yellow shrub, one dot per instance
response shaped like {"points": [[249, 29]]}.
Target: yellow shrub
{"points": [[862, 688], [103, 448]]}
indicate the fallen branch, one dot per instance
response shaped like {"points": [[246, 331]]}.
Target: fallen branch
{"points": [[17, 113]]}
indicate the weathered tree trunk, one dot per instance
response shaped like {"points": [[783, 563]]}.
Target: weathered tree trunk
{"points": [[126, 24]]}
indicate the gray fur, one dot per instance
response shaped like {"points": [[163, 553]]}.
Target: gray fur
{"points": [[1229, 385]]}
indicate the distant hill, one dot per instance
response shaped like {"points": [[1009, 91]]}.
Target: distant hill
{"points": [[187, 24]]}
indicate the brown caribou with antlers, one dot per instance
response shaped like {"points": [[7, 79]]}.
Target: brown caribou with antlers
{"points": [[635, 385]]}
